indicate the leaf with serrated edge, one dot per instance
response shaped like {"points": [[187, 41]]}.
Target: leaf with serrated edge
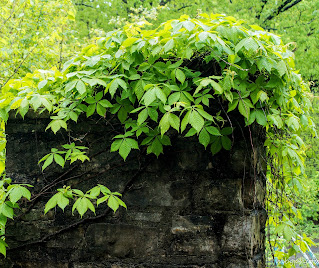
{"points": [[174, 121], [113, 203], [204, 137], [196, 121], [51, 203]]}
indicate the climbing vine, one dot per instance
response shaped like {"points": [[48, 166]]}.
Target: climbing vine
{"points": [[161, 81]]}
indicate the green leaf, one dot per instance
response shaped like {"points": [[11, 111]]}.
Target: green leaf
{"points": [[113, 203], [100, 109], [156, 147], [196, 121], [134, 77], [102, 199], [213, 130], [3, 247], [188, 25], [90, 100], [249, 43], [105, 103], [169, 45], [205, 115], [232, 105], [174, 121], [174, 98], [226, 142], [137, 109], [95, 191], [160, 94], [47, 162], [105, 190], [80, 87], [122, 83], [142, 116], [51, 203], [229, 96], [261, 117], [99, 96], [90, 205], [139, 89], [190, 133], [188, 53], [180, 76], [293, 123], [73, 116], [288, 233], [69, 86], [165, 140], [281, 67], [226, 131], [62, 201], [17, 193], [121, 203], [164, 123], [35, 102], [90, 109], [204, 137], [80, 205], [113, 87], [47, 104], [149, 97], [244, 108], [218, 89], [6, 210], [94, 81], [132, 143], [59, 160], [185, 121], [55, 125], [216, 145], [124, 149], [153, 114], [116, 145], [129, 41], [24, 107]]}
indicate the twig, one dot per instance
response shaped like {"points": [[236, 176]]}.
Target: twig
{"points": [[82, 221]]}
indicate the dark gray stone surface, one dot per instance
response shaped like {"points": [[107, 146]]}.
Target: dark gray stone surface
{"points": [[185, 209]]}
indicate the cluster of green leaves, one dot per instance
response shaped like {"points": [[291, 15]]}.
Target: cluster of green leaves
{"points": [[301, 33], [10, 194], [153, 82], [83, 201], [72, 154]]}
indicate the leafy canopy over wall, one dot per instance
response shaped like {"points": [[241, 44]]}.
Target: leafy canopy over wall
{"points": [[276, 16], [164, 80]]}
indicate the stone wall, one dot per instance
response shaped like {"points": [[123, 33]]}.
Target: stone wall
{"points": [[185, 209]]}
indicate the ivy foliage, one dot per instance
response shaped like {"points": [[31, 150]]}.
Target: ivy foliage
{"points": [[9, 197], [148, 80], [83, 200], [163, 81], [275, 16]]}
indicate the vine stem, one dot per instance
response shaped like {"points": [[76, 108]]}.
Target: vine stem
{"points": [[82, 221]]}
